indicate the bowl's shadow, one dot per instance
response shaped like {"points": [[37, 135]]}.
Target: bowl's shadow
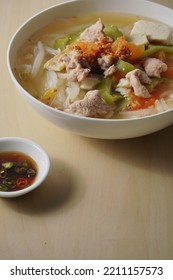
{"points": [[154, 150], [56, 192]]}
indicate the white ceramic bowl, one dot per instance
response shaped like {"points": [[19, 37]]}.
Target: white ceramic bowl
{"points": [[96, 128], [33, 150]]}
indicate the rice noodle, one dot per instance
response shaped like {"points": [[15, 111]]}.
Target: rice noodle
{"points": [[62, 75], [51, 80], [40, 53], [137, 113], [25, 68], [165, 106], [161, 105], [169, 100], [52, 51], [60, 99], [165, 94], [72, 91]]}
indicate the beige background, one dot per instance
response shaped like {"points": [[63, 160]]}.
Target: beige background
{"points": [[102, 199]]}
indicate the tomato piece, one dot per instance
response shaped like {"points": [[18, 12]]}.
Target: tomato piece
{"points": [[168, 73], [138, 103]]}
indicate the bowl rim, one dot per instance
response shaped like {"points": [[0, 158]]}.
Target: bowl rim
{"points": [[64, 114], [35, 146]]}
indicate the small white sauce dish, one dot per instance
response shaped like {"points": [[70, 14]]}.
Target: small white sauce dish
{"points": [[34, 151]]}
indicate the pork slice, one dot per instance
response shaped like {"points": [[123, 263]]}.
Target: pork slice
{"points": [[78, 73], [154, 67], [123, 82], [124, 87], [93, 33], [110, 71], [137, 79], [105, 61], [71, 59], [92, 106], [77, 67]]}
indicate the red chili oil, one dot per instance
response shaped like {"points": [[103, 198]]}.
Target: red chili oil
{"points": [[17, 171]]}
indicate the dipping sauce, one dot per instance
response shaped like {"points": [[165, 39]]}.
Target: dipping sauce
{"points": [[17, 171]]}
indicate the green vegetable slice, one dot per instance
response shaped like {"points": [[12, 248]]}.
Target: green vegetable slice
{"points": [[112, 31], [157, 81], [107, 93], [61, 43], [124, 66], [151, 49]]}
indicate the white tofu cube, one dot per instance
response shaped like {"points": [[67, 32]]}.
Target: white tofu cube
{"points": [[155, 32]]}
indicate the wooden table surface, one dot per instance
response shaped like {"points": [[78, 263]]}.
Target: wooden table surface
{"points": [[102, 199]]}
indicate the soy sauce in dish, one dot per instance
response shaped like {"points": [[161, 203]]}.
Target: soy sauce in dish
{"points": [[17, 171]]}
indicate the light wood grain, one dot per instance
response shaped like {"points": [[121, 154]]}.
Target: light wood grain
{"points": [[102, 199]]}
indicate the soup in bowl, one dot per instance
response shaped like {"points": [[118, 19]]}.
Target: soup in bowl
{"points": [[101, 70]]}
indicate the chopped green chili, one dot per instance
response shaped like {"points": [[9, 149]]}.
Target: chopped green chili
{"points": [[17, 171], [7, 165], [3, 172], [9, 182]]}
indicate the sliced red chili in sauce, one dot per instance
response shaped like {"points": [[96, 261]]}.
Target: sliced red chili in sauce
{"points": [[21, 182], [17, 171]]}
